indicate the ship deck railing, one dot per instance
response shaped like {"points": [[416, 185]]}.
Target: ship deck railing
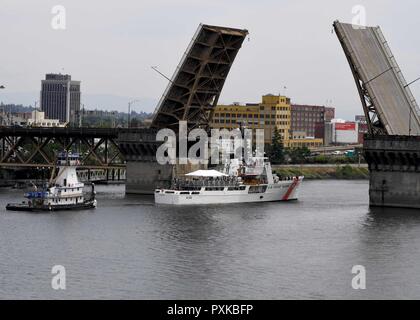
{"points": [[198, 184]]}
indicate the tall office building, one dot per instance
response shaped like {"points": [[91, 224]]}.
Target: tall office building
{"points": [[60, 98]]}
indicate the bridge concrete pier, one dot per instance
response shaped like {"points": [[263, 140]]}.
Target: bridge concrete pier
{"points": [[144, 177], [143, 173], [394, 165]]}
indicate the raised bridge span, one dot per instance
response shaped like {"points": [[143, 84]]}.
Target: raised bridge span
{"points": [[392, 148], [195, 87], [387, 101]]}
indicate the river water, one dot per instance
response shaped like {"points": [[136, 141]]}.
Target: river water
{"points": [[128, 248]]}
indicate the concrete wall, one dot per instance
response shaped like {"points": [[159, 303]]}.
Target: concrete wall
{"points": [[394, 165], [395, 189], [145, 177]]}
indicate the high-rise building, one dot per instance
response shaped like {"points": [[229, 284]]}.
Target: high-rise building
{"points": [[60, 98]]}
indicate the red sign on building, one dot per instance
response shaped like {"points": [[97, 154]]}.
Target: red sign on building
{"points": [[348, 126]]}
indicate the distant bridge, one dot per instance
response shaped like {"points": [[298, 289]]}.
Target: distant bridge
{"points": [[84, 175], [100, 148]]}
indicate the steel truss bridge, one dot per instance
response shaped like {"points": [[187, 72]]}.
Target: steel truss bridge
{"points": [[37, 147]]}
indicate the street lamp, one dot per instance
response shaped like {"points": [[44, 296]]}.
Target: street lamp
{"points": [[129, 111]]}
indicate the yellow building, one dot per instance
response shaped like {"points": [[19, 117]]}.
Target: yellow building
{"points": [[306, 142], [273, 112]]}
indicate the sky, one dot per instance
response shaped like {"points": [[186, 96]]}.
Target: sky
{"points": [[110, 47]]}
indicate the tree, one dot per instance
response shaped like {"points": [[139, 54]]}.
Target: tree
{"points": [[299, 155], [134, 123], [276, 150]]}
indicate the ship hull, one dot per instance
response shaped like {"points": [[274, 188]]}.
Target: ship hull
{"points": [[284, 191], [25, 207]]}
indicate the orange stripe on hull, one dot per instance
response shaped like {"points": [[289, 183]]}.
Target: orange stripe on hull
{"points": [[290, 190]]}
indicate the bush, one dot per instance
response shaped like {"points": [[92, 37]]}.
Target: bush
{"points": [[321, 159]]}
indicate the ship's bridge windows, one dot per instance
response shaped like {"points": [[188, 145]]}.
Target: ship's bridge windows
{"points": [[257, 189], [184, 192], [214, 188], [236, 188]]}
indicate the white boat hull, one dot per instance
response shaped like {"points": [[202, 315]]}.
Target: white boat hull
{"points": [[281, 191]]}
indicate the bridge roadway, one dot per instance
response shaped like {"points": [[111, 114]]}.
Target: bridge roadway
{"points": [[112, 133]]}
